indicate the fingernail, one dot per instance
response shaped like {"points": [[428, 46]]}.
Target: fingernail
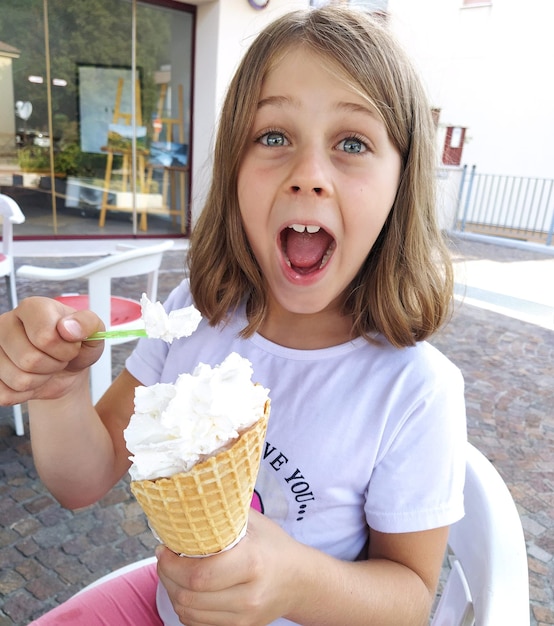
{"points": [[158, 551], [73, 328]]}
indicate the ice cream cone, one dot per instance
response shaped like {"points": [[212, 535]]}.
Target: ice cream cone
{"points": [[205, 510]]}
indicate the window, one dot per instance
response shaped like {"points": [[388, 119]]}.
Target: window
{"points": [[111, 110]]}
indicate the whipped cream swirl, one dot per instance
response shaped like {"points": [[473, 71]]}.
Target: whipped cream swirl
{"points": [[161, 325], [175, 426]]}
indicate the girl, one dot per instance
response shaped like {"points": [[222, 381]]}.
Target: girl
{"points": [[316, 257]]}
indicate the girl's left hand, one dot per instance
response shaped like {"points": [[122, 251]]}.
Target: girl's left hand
{"points": [[250, 584]]}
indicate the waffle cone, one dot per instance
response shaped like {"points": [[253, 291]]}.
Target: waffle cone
{"points": [[205, 510]]}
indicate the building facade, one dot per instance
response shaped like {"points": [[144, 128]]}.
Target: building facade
{"points": [[109, 109], [486, 64]]}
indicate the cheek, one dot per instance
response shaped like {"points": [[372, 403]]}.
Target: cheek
{"points": [[363, 225], [246, 193], [254, 202], [249, 217], [246, 215]]}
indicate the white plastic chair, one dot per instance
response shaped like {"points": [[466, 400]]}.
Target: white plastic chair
{"points": [[11, 214], [116, 312], [488, 584], [119, 572]]}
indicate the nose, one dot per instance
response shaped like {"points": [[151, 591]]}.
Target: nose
{"points": [[317, 190], [310, 173]]}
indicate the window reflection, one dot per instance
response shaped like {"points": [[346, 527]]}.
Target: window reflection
{"points": [[113, 130]]}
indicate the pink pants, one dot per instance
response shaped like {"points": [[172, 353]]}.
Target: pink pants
{"points": [[128, 600]]}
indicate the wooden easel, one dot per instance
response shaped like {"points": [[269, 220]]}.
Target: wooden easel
{"points": [[171, 122], [126, 118], [171, 174]]}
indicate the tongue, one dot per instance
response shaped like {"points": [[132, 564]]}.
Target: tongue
{"points": [[305, 250]]}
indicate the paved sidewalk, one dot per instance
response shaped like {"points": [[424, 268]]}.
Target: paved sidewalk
{"points": [[48, 553], [515, 282]]}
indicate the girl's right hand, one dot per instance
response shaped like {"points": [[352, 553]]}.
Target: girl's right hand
{"points": [[42, 349]]}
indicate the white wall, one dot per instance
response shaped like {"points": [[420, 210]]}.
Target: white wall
{"points": [[488, 68], [224, 30]]}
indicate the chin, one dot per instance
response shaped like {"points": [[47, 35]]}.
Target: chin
{"points": [[305, 306]]}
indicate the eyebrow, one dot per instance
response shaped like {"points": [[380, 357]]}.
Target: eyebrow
{"points": [[353, 107], [277, 101]]}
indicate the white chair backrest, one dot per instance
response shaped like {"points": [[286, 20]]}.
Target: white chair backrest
{"points": [[134, 262], [456, 607], [489, 547], [11, 214]]}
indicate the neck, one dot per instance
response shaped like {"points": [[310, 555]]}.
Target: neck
{"points": [[306, 331]]}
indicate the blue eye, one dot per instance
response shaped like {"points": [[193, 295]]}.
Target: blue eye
{"points": [[351, 145], [273, 139]]}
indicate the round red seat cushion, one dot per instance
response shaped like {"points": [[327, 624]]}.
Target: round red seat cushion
{"points": [[123, 310]]}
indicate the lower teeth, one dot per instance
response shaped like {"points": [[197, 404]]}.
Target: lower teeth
{"points": [[325, 258]]}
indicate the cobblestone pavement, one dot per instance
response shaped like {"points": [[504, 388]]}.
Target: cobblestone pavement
{"points": [[48, 553]]}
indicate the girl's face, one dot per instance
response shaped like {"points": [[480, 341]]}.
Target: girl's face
{"points": [[315, 187]]}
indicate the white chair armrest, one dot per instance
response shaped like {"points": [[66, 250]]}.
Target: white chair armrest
{"points": [[82, 271]]}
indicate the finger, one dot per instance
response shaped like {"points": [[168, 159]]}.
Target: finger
{"points": [[35, 321], [61, 332], [192, 617], [79, 325], [214, 573], [40, 345], [17, 387], [201, 589], [21, 354], [195, 607], [45, 387]]}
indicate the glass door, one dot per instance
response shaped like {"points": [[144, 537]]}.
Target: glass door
{"points": [[97, 144]]}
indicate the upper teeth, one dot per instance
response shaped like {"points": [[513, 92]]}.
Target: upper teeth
{"points": [[300, 228]]}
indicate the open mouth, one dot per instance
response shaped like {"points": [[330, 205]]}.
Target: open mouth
{"points": [[306, 248]]}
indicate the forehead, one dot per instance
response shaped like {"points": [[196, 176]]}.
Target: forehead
{"points": [[297, 55], [300, 66]]}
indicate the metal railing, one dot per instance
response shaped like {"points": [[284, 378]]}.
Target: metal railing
{"points": [[508, 206]]}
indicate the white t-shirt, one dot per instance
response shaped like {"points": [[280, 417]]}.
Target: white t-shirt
{"points": [[360, 435]]}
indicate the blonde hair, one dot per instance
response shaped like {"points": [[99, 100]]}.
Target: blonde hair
{"points": [[404, 288]]}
